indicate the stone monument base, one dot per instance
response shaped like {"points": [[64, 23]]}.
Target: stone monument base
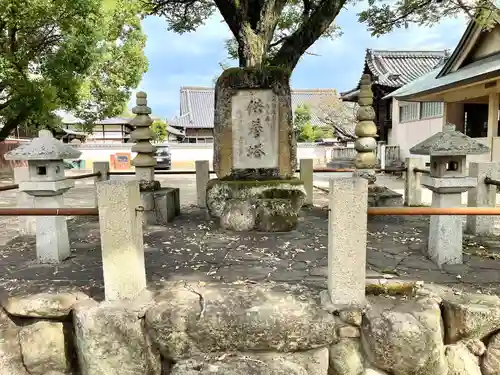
{"points": [[382, 196], [160, 206], [262, 205]]}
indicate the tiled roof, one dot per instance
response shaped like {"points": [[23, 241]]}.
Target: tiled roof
{"points": [[197, 105], [397, 68], [107, 121]]}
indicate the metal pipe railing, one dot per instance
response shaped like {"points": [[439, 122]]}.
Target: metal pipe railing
{"points": [[420, 170], [9, 187], [316, 170], [490, 181], [413, 211], [373, 211], [82, 211], [82, 176]]}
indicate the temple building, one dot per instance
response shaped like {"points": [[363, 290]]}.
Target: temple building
{"points": [[468, 84], [391, 70]]}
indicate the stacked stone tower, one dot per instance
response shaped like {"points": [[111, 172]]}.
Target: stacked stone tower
{"points": [[366, 130], [161, 204], [144, 162]]}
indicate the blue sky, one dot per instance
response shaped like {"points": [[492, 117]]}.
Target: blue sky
{"points": [[193, 59]]}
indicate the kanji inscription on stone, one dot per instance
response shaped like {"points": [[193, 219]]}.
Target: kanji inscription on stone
{"points": [[255, 129]]}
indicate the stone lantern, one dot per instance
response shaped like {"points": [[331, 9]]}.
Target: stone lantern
{"points": [[447, 180], [47, 182]]}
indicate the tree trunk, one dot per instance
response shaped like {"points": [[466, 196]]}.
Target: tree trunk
{"points": [[251, 48], [10, 126]]}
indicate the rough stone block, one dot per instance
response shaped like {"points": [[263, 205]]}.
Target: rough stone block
{"points": [[220, 191], [275, 215], [483, 195], [190, 319], [347, 241], [120, 222], [111, 339], [46, 346]]}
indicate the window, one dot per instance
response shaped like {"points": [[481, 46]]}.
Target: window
{"points": [[408, 112], [431, 109]]}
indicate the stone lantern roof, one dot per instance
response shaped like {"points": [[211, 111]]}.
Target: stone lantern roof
{"points": [[449, 142], [44, 147]]}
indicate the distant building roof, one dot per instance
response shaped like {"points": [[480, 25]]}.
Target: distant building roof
{"points": [[197, 105], [394, 69], [445, 77], [107, 121]]}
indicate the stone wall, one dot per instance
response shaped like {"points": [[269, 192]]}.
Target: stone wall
{"points": [[198, 328]]}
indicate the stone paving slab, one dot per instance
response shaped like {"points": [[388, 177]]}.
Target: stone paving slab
{"points": [[194, 247]]}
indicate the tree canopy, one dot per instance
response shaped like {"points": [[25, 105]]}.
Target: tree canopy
{"points": [[159, 129], [305, 131], [280, 32], [82, 56]]}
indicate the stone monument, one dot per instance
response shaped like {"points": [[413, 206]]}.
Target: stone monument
{"points": [[161, 204], [255, 152], [447, 181], [47, 183], [365, 145]]}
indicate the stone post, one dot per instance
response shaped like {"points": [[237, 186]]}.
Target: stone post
{"points": [[306, 176], [27, 224], [103, 168], [484, 195], [366, 131], [413, 187], [347, 227], [382, 155], [120, 222], [202, 177]]}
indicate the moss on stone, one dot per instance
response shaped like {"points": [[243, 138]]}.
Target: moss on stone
{"points": [[400, 289], [254, 77]]}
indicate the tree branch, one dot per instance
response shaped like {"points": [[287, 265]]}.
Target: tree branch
{"points": [[304, 37], [12, 124], [231, 14]]}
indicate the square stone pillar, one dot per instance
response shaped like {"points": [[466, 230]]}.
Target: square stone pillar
{"points": [[52, 239], [120, 221], [202, 177], [413, 187], [483, 195], [103, 168], [347, 227], [445, 231], [27, 224], [306, 176]]}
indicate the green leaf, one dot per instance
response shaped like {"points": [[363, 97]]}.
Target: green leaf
{"points": [[83, 56]]}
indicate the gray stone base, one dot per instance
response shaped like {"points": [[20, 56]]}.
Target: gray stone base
{"points": [[160, 206], [266, 206], [280, 332], [381, 196]]}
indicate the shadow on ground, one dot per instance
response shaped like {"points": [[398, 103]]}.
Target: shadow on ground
{"points": [[193, 247]]}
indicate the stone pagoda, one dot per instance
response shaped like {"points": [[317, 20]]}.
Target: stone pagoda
{"points": [[255, 152], [447, 180], [161, 204], [366, 144]]}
